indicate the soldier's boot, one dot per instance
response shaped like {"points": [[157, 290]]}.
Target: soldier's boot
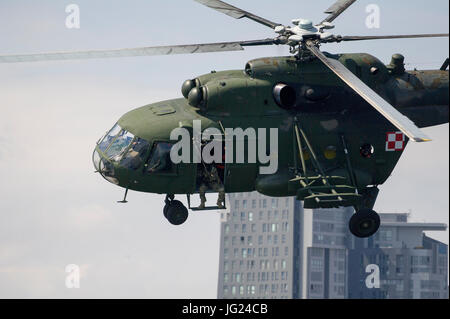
{"points": [[221, 199], [202, 197]]}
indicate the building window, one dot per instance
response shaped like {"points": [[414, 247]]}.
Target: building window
{"points": [[250, 216], [254, 203], [225, 290], [241, 290], [385, 235], [227, 229], [233, 290], [244, 203], [274, 203]]}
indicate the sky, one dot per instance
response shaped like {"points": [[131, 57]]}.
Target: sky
{"points": [[55, 211]]}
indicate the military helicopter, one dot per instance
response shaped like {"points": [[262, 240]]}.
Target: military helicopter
{"points": [[342, 120]]}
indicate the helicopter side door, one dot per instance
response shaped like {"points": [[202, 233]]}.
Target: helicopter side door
{"points": [[167, 177]]}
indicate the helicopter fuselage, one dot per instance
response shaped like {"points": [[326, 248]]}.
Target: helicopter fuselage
{"points": [[302, 99]]}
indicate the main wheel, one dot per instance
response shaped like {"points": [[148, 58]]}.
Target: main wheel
{"points": [[176, 213], [364, 223], [165, 209]]}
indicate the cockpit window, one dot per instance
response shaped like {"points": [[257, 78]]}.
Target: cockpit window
{"points": [[135, 155], [160, 161], [109, 137], [122, 141]]}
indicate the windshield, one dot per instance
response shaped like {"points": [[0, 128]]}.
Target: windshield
{"points": [[109, 137], [122, 141]]}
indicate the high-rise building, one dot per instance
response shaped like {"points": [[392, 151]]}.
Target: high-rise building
{"points": [[326, 237], [273, 248], [410, 264], [260, 248]]}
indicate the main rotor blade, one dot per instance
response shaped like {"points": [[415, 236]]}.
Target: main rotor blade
{"points": [[381, 37], [400, 121], [236, 13], [337, 9], [146, 51]]}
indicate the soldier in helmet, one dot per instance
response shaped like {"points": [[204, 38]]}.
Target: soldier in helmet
{"points": [[210, 180]]}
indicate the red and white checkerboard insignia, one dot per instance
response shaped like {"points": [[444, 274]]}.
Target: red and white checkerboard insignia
{"points": [[395, 141]]}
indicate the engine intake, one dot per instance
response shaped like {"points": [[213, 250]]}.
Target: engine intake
{"points": [[285, 95]]}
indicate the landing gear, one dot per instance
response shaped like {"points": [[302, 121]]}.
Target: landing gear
{"points": [[174, 210], [364, 223]]}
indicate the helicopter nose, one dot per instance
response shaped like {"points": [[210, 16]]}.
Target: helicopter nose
{"points": [[96, 160], [104, 167]]}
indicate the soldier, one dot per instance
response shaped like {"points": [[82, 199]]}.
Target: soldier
{"points": [[211, 180]]}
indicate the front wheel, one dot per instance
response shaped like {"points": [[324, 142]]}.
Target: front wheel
{"points": [[364, 223], [176, 213]]}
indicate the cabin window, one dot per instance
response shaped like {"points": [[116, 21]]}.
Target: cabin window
{"points": [[367, 151], [134, 157], [159, 161]]}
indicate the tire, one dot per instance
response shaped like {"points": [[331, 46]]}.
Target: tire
{"points": [[166, 208], [364, 223], [176, 213]]}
